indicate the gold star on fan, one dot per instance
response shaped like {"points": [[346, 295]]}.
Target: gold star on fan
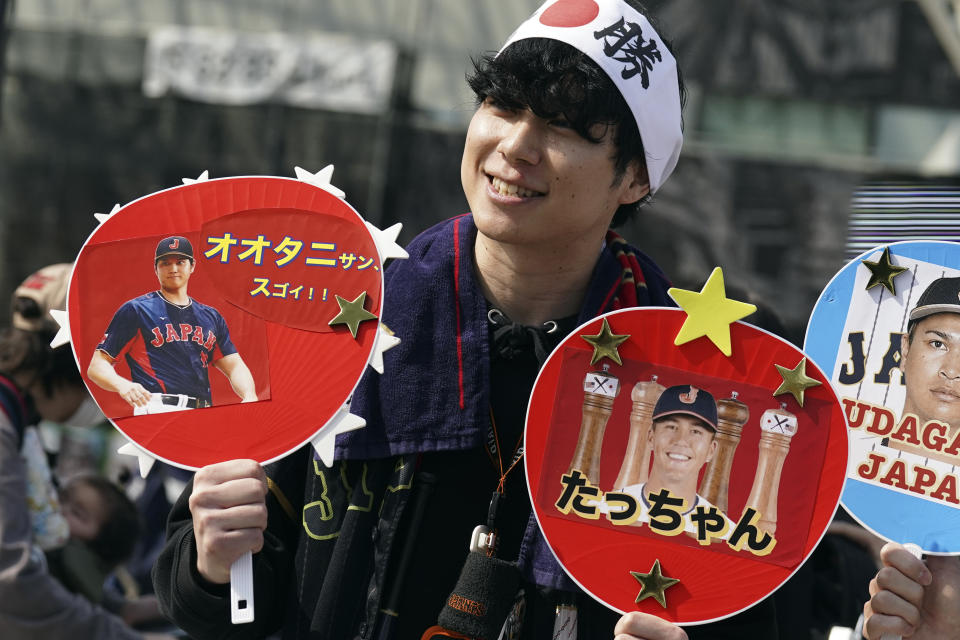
{"points": [[883, 272], [654, 584], [709, 312], [352, 313], [795, 381], [605, 344]]}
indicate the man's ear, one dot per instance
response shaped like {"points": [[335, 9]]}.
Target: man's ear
{"points": [[635, 183], [904, 348]]}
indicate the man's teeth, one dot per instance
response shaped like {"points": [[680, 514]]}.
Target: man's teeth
{"points": [[677, 456], [507, 189]]}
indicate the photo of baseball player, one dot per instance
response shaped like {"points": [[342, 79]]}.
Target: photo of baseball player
{"points": [[930, 362], [682, 439], [169, 340]]}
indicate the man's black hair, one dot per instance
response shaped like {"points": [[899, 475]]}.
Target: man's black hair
{"points": [[554, 79]]}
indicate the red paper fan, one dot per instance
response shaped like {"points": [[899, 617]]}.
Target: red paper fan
{"points": [[271, 256], [716, 580]]}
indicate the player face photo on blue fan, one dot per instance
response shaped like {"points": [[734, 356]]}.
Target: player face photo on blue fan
{"points": [[158, 346], [893, 343]]}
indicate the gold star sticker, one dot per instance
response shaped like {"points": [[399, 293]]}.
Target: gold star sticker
{"points": [[709, 312], [654, 584], [605, 344], [352, 313], [883, 272], [795, 381]]}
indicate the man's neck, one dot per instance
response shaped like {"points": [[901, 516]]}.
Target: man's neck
{"points": [[178, 296], [686, 490], [534, 284]]}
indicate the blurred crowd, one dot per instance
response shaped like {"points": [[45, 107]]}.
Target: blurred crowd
{"points": [[79, 527]]}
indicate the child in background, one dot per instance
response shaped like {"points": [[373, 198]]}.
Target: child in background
{"points": [[104, 528]]}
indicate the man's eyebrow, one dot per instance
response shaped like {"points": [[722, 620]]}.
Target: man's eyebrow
{"points": [[945, 336]]}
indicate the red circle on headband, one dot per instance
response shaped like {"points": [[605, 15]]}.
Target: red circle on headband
{"points": [[592, 449], [570, 13], [270, 257]]}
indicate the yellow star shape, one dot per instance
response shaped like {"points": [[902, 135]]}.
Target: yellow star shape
{"points": [[883, 272], [605, 344], [352, 313], [654, 584], [709, 312], [795, 381]]}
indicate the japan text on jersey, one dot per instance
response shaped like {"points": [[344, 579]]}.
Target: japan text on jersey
{"points": [[168, 347]]}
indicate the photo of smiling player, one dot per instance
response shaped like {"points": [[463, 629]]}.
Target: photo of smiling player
{"points": [[169, 340], [682, 439]]}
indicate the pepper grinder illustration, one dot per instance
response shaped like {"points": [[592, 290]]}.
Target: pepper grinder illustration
{"points": [[636, 460], [778, 427], [600, 390], [732, 414]]}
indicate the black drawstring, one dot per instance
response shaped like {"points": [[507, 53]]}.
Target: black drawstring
{"points": [[511, 339]]}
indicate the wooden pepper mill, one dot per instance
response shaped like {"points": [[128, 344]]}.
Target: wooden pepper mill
{"points": [[732, 414], [600, 389], [636, 460], [777, 429]]}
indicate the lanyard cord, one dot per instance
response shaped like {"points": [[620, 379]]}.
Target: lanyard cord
{"points": [[494, 448]]}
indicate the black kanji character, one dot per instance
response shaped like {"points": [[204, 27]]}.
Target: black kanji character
{"points": [[638, 53]]}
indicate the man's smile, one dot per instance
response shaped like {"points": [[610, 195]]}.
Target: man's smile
{"points": [[505, 188]]}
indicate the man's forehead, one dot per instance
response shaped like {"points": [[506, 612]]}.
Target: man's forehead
{"points": [[946, 323], [683, 417]]}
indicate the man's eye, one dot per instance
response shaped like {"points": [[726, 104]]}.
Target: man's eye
{"points": [[937, 344]]}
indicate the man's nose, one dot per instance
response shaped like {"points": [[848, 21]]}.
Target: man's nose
{"points": [[521, 140], [950, 366]]}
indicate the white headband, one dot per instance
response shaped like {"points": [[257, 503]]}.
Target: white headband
{"points": [[625, 45]]}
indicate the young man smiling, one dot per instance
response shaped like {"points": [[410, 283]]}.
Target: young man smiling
{"points": [[567, 137]]}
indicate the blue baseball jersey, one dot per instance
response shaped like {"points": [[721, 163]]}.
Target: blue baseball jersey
{"points": [[168, 347]]}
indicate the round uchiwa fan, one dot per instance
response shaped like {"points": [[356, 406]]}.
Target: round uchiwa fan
{"points": [[887, 331], [677, 480], [285, 277]]}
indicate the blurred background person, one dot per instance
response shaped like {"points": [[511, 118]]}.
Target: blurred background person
{"points": [[39, 382]]}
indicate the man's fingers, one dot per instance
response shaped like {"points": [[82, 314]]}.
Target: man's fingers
{"points": [[246, 516], [642, 626], [891, 580], [896, 556], [231, 493], [878, 625], [888, 603], [136, 398], [222, 472], [230, 545]]}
